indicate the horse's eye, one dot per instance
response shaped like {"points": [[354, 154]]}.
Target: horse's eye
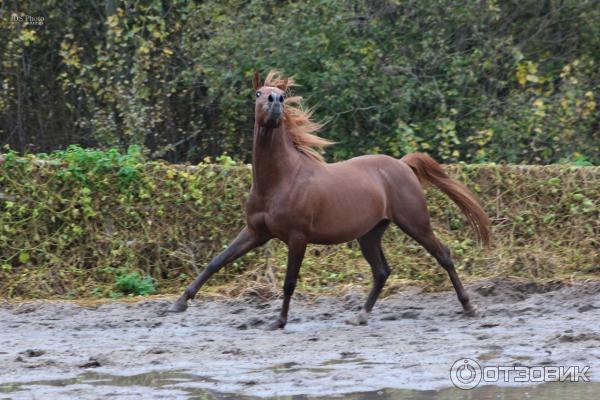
{"points": [[258, 93]]}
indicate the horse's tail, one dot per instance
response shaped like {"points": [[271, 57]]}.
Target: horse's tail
{"points": [[429, 171]]}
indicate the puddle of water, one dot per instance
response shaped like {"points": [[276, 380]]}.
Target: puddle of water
{"points": [[284, 367], [155, 379], [159, 380], [293, 367], [547, 391], [344, 361]]}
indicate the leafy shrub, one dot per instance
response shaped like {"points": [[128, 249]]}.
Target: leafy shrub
{"points": [[61, 236], [81, 164], [133, 283]]}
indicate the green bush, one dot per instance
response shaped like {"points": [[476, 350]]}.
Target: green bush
{"points": [[133, 283], [72, 222]]}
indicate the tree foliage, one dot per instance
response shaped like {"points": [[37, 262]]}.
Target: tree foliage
{"points": [[513, 81]]}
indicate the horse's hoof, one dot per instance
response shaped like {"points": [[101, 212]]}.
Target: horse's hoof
{"points": [[277, 324], [471, 312], [360, 319], [178, 307]]}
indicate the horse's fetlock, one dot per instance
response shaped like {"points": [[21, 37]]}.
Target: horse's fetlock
{"points": [[189, 294]]}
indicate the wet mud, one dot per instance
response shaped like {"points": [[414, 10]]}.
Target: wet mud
{"points": [[220, 348]]}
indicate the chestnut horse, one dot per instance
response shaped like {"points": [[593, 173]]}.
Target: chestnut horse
{"points": [[298, 198]]}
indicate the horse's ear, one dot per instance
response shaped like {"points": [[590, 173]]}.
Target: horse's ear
{"points": [[256, 80], [283, 85]]}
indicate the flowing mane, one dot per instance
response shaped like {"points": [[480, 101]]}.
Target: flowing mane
{"points": [[297, 121]]}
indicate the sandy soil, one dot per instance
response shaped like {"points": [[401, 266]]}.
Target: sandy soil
{"points": [[411, 341]]}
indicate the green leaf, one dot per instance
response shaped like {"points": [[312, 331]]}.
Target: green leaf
{"points": [[23, 257]]}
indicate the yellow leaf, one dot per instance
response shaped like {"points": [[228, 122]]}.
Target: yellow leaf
{"points": [[532, 78], [521, 74]]}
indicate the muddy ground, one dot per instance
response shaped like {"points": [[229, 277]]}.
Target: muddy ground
{"points": [[411, 341]]}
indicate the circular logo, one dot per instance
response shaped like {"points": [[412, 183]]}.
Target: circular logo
{"points": [[465, 373]]}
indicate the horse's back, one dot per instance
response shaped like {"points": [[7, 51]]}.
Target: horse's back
{"points": [[379, 167]]}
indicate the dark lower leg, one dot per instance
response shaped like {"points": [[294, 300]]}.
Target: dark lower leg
{"points": [[461, 293], [243, 243], [446, 262], [370, 246], [296, 249], [381, 271]]}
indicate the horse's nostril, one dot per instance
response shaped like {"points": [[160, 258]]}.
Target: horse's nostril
{"points": [[281, 99], [270, 98]]}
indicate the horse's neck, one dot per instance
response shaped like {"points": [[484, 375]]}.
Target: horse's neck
{"points": [[274, 158]]}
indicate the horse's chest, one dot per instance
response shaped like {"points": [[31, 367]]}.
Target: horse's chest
{"points": [[281, 221], [280, 215]]}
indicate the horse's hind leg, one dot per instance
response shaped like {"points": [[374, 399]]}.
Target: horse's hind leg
{"points": [[370, 245], [419, 228], [442, 255]]}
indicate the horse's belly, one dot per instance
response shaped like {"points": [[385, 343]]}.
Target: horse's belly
{"points": [[347, 218], [338, 228]]}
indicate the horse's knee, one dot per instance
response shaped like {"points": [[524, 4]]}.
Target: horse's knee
{"points": [[381, 275]]}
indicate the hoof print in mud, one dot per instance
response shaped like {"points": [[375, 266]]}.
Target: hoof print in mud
{"points": [[92, 362], [251, 323]]}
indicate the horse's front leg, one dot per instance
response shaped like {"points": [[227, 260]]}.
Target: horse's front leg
{"points": [[246, 240], [296, 249]]}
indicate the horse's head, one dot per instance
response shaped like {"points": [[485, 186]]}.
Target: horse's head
{"points": [[269, 101]]}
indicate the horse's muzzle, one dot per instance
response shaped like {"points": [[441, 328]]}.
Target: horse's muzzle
{"points": [[276, 111]]}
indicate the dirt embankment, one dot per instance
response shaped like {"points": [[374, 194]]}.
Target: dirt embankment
{"points": [[411, 341]]}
